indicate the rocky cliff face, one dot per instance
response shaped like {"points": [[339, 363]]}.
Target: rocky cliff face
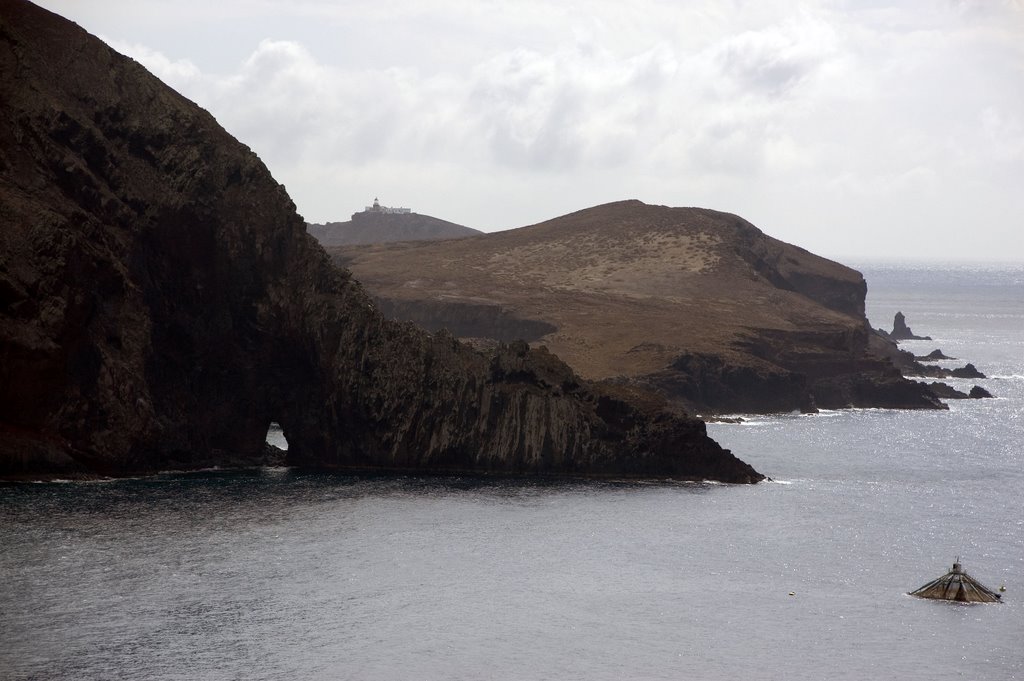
{"points": [[161, 304]]}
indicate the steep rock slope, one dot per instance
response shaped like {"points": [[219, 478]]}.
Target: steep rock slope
{"points": [[698, 304], [368, 227], [161, 304]]}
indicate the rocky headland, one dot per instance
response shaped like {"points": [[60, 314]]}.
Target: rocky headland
{"points": [[161, 303], [379, 226], [697, 305]]}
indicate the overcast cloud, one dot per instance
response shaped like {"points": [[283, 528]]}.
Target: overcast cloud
{"points": [[853, 129]]}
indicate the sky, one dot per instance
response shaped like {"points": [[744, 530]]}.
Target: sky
{"points": [[859, 130]]}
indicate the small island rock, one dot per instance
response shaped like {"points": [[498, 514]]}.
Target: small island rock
{"points": [[933, 356], [967, 371], [900, 330]]}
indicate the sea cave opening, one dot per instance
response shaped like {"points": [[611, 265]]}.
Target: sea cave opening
{"points": [[275, 436]]}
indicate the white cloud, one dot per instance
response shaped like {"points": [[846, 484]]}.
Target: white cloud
{"points": [[778, 58], [794, 114], [180, 72], [1004, 134]]}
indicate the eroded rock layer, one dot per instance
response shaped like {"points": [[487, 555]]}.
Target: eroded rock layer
{"points": [[161, 304]]}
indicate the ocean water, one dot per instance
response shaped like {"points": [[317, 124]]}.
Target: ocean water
{"points": [[272, 574]]}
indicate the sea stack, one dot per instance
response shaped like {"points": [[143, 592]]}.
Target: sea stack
{"points": [[900, 330]]}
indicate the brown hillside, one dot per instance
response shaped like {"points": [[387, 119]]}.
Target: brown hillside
{"points": [[655, 295]]}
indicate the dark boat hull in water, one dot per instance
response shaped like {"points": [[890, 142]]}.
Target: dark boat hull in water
{"points": [[958, 586]]}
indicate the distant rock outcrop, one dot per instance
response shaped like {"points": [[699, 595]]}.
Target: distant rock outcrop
{"points": [[909, 365], [900, 330], [947, 392], [933, 356], [369, 227], [696, 304], [162, 304], [966, 371]]}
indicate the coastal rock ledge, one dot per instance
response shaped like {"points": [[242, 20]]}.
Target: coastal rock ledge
{"points": [[161, 304]]}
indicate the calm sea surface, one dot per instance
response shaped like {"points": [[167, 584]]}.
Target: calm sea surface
{"points": [[275, 575]]}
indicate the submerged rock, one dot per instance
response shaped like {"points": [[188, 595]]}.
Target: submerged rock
{"points": [[162, 304]]}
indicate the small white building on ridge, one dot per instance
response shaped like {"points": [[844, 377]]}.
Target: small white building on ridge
{"points": [[377, 208]]}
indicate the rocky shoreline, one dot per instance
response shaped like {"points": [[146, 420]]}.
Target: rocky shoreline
{"points": [[924, 366], [163, 303]]}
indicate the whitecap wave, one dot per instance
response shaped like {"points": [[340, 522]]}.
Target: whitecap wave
{"points": [[77, 481]]}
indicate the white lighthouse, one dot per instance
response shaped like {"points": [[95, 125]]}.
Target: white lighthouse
{"points": [[377, 208]]}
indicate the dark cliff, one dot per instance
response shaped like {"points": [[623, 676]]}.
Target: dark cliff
{"points": [[161, 304], [699, 305]]}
